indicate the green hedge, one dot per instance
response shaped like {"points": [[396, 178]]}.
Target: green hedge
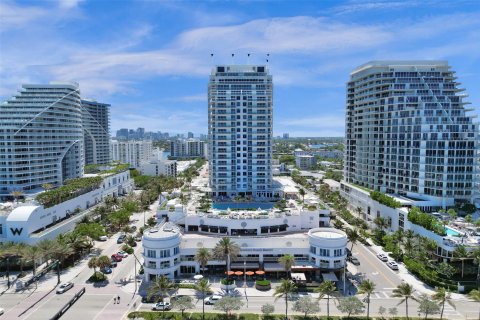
{"points": [[263, 282], [385, 200], [72, 189], [426, 220]]}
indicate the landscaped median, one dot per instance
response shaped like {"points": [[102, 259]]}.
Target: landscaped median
{"points": [[152, 315]]}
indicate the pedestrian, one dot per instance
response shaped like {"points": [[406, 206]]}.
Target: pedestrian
{"points": [[118, 299], [115, 300]]}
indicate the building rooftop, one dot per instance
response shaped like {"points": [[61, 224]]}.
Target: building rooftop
{"points": [[392, 63]]}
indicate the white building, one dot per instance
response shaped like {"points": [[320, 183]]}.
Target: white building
{"points": [[42, 138], [263, 237], [240, 110], [30, 222], [189, 148], [408, 132], [320, 153], [96, 128], [305, 162], [159, 167], [134, 152]]}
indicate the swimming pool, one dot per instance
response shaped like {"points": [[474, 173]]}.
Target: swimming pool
{"points": [[452, 232], [242, 205]]}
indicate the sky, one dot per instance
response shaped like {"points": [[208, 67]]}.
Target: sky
{"points": [[151, 60]]}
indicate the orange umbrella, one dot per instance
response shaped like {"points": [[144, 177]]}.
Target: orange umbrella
{"points": [[249, 273], [238, 273], [260, 272], [229, 273]]}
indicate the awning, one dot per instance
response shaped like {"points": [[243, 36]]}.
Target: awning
{"points": [[298, 277], [273, 266], [329, 277], [241, 265]]}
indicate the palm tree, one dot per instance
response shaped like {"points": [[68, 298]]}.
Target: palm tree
{"points": [[475, 296], [202, 257], [287, 261], [8, 251], [93, 264], [367, 287], [404, 291], [226, 250], [441, 295], [16, 195], [461, 254], [302, 193], [353, 236], [34, 253], [47, 247], [476, 260], [47, 186], [286, 288], [161, 287], [203, 287], [103, 262], [381, 223], [327, 289]]}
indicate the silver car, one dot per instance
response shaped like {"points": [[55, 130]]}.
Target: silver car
{"points": [[65, 287], [392, 265]]}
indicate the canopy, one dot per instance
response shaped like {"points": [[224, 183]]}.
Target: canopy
{"points": [[238, 273], [329, 277], [241, 265], [300, 277], [273, 266]]}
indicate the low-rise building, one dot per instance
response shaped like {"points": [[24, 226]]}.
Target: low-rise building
{"points": [[31, 222], [159, 167], [305, 162]]}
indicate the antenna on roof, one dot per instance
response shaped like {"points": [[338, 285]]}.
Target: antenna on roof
{"points": [[233, 55], [268, 57], [248, 58]]}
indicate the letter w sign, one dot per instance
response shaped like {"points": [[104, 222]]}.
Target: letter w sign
{"points": [[16, 231]]}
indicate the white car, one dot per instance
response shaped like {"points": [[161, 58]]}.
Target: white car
{"points": [[123, 254], [392, 265], [212, 299], [64, 287], [382, 257], [160, 306], [2, 311], [103, 238]]}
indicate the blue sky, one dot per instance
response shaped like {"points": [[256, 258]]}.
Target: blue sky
{"points": [[151, 59]]}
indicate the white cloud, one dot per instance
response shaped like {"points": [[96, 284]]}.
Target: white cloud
{"points": [[14, 16], [69, 4]]}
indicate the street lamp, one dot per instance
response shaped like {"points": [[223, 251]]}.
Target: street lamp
{"points": [[245, 279]]}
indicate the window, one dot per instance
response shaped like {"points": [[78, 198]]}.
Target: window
{"points": [[324, 253], [176, 250], [313, 250], [151, 254], [165, 253], [152, 265], [337, 252], [164, 264]]}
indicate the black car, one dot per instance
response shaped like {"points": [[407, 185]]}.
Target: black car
{"points": [[354, 260], [121, 238], [113, 263]]}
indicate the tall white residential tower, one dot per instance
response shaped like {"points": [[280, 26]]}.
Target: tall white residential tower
{"points": [[240, 122], [408, 132], [41, 137], [96, 132], [134, 152]]}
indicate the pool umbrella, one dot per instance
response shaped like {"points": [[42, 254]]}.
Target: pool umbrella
{"points": [[249, 273], [260, 272], [238, 273], [229, 273]]}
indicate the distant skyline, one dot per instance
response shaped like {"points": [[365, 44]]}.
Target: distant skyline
{"points": [[151, 60]]}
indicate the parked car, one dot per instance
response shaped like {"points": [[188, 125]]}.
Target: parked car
{"points": [[382, 257], [123, 254], [137, 238], [113, 263], [106, 270], [212, 299], [103, 238], [354, 260], [117, 257], [2, 311], [121, 238], [64, 287], [160, 306], [392, 265], [133, 228]]}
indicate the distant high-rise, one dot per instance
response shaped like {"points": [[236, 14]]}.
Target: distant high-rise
{"points": [[240, 108], [190, 135], [286, 136], [407, 131], [41, 137], [187, 148], [134, 152], [96, 132]]}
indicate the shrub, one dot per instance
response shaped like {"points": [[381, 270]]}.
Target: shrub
{"points": [[97, 277], [263, 282], [227, 282], [385, 200], [426, 221]]}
